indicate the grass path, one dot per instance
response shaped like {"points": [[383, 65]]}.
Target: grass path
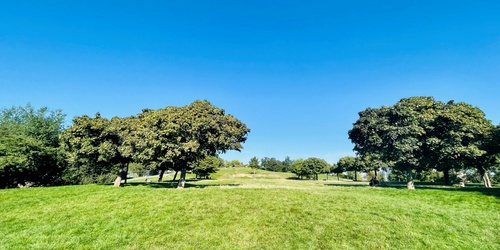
{"points": [[239, 210]]}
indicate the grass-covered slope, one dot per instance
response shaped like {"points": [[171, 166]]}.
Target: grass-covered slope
{"points": [[239, 209]]}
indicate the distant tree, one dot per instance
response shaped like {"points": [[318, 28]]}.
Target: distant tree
{"points": [[297, 167], [337, 170], [29, 146], [254, 163], [347, 163], [206, 166], [234, 164], [271, 164], [309, 168], [316, 166], [286, 164]]}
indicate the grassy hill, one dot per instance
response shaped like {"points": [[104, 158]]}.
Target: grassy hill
{"points": [[243, 209]]}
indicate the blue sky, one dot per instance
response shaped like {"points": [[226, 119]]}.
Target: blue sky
{"points": [[296, 72]]}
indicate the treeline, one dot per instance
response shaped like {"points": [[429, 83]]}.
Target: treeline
{"points": [[35, 148], [308, 169], [418, 137]]}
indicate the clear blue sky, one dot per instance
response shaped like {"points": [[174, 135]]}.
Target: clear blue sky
{"points": [[296, 72]]}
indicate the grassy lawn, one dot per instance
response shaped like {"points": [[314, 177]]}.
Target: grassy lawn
{"points": [[239, 209]]}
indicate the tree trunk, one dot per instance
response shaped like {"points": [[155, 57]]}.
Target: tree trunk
{"points": [[338, 178], [126, 173], [485, 177], [446, 176], [122, 174], [355, 175], [160, 177], [175, 176], [409, 179], [182, 180]]}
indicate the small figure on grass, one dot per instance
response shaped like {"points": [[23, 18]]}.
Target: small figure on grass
{"points": [[374, 182]]}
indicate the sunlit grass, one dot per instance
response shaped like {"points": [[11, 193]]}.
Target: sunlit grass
{"points": [[240, 209]]}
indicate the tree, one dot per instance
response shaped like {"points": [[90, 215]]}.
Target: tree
{"points": [[234, 164], [337, 170], [29, 146], [155, 140], [127, 145], [206, 166], [491, 159], [310, 167], [316, 166], [254, 163], [181, 136], [271, 164], [92, 149], [420, 133], [347, 163], [398, 133], [460, 131], [286, 164], [297, 167]]}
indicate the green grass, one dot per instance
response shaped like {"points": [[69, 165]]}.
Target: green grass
{"points": [[239, 209]]}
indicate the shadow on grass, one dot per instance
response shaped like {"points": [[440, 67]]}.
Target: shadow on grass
{"points": [[349, 184], [495, 191], [295, 178], [173, 184]]}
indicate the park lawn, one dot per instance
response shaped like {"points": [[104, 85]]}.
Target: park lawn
{"points": [[240, 209]]}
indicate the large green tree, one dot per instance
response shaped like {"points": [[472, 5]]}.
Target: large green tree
{"points": [[459, 133], [91, 146], [178, 137], [29, 146], [397, 133], [420, 133]]}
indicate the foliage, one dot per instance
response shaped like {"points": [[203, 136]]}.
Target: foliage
{"points": [[209, 165], [254, 163], [287, 163], [234, 164], [297, 167], [177, 137], [91, 146], [420, 133], [272, 164], [169, 138], [309, 168], [316, 166], [29, 146], [352, 165]]}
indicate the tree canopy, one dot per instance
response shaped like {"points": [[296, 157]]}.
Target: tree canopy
{"points": [[172, 137], [29, 146], [420, 133]]}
